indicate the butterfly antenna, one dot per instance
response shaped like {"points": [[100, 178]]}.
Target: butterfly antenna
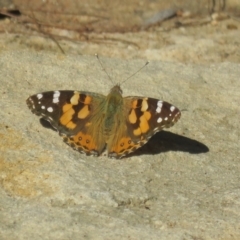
{"points": [[103, 67], [140, 69]]}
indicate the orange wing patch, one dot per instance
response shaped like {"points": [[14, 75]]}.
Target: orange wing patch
{"points": [[132, 117], [66, 118], [144, 105], [68, 111], [75, 98], [84, 112], [143, 122], [125, 146], [83, 143], [66, 107], [143, 119]]}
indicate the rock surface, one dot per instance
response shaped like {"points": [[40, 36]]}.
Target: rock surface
{"points": [[183, 184]]}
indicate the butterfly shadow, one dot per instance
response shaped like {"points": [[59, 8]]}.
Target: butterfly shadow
{"points": [[46, 124], [165, 141]]}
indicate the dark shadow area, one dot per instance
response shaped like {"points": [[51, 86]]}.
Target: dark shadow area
{"points": [[167, 141], [9, 14], [46, 124]]}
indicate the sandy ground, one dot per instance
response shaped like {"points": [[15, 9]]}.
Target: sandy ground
{"points": [[184, 184]]}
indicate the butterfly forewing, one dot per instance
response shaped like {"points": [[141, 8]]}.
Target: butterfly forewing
{"points": [[163, 115], [65, 110]]}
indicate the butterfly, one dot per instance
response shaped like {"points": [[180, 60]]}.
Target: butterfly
{"points": [[93, 123]]}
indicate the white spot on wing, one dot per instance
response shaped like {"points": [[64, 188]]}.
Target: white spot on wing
{"points": [[56, 96], [172, 108], [50, 109], [42, 107], [159, 106], [55, 100], [39, 96], [159, 120]]}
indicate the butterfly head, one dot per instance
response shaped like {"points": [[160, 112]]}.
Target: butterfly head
{"points": [[116, 89]]}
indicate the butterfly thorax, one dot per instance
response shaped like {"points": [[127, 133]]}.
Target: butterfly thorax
{"points": [[114, 106]]}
